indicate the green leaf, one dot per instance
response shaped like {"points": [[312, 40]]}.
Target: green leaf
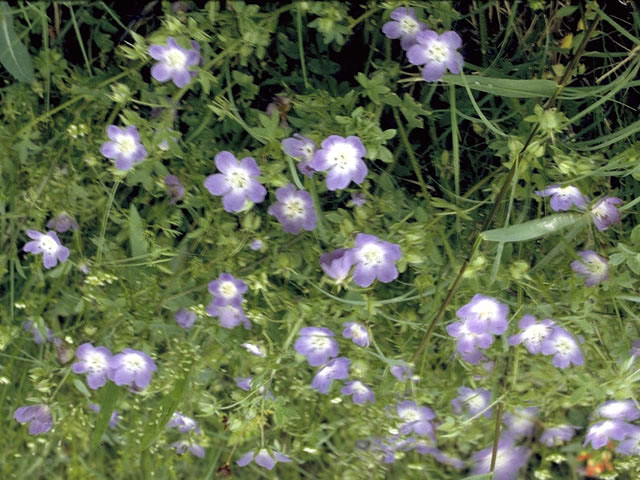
{"points": [[484, 476], [110, 395], [136, 233], [505, 87], [533, 229], [14, 56]]}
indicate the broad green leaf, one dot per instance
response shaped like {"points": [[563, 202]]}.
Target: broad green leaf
{"points": [[110, 395], [505, 87], [533, 229], [136, 233], [14, 56]]}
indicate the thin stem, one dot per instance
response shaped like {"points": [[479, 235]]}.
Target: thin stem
{"points": [[105, 219], [303, 64]]}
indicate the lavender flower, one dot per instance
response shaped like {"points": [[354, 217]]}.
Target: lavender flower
{"points": [[94, 361], [263, 458], [125, 147], [554, 436], [302, 148], [256, 244], [183, 423], [423, 448], [404, 25], [245, 383], [593, 267], [357, 332], [474, 401], [317, 344], [336, 369], [175, 188], [185, 318], [509, 460], [563, 198], [416, 419], [619, 410], [39, 417], [227, 290], [181, 446], [254, 349], [342, 157], [521, 423], [336, 264], [600, 433], [373, 258], [468, 342], [131, 367], [49, 245], [532, 333], [62, 223], [437, 53], [605, 213], [484, 315], [361, 394], [174, 62], [631, 444], [563, 347], [236, 183], [294, 210], [401, 372], [229, 316], [113, 419], [38, 339]]}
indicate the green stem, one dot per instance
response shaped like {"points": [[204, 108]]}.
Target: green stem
{"points": [[105, 219], [316, 206], [303, 65]]}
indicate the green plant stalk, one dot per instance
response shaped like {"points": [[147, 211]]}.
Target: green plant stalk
{"points": [[303, 64], [105, 219], [79, 37]]}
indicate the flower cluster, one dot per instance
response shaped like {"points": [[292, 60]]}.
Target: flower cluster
{"points": [[227, 299]]}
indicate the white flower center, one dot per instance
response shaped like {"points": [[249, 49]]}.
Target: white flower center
{"points": [[613, 409], [307, 150], [475, 402], [595, 266], [48, 244], [564, 346], [358, 332], [175, 59], [320, 343], [133, 362], [371, 255], [536, 333], [228, 289], [342, 156], [126, 145], [96, 362], [438, 51], [359, 388], [408, 26], [410, 415], [485, 309], [238, 179], [327, 371], [293, 208]]}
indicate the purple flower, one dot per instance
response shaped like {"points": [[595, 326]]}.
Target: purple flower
{"points": [[256, 244], [563, 347], [416, 419], [605, 213], [183, 423], [49, 245], [255, 349], [357, 199], [509, 460], [554, 436], [39, 417], [185, 318], [174, 62], [131, 367], [600, 433], [635, 349], [468, 342], [373, 258], [619, 410], [437, 53], [182, 446], [357, 332], [336, 264], [423, 448], [125, 147], [631, 445], [336, 369], [361, 394], [175, 188], [38, 339], [294, 210], [245, 384], [474, 401], [401, 372], [532, 333], [473, 356], [236, 183], [302, 148], [229, 316], [521, 423], [263, 458], [563, 198], [317, 344], [95, 362], [227, 290], [113, 420], [404, 25], [62, 223], [593, 267], [484, 315], [342, 157]]}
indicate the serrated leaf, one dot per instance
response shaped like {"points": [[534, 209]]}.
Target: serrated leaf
{"points": [[534, 228], [14, 56], [136, 233]]}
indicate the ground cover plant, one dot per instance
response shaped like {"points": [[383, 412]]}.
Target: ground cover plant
{"points": [[319, 240]]}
